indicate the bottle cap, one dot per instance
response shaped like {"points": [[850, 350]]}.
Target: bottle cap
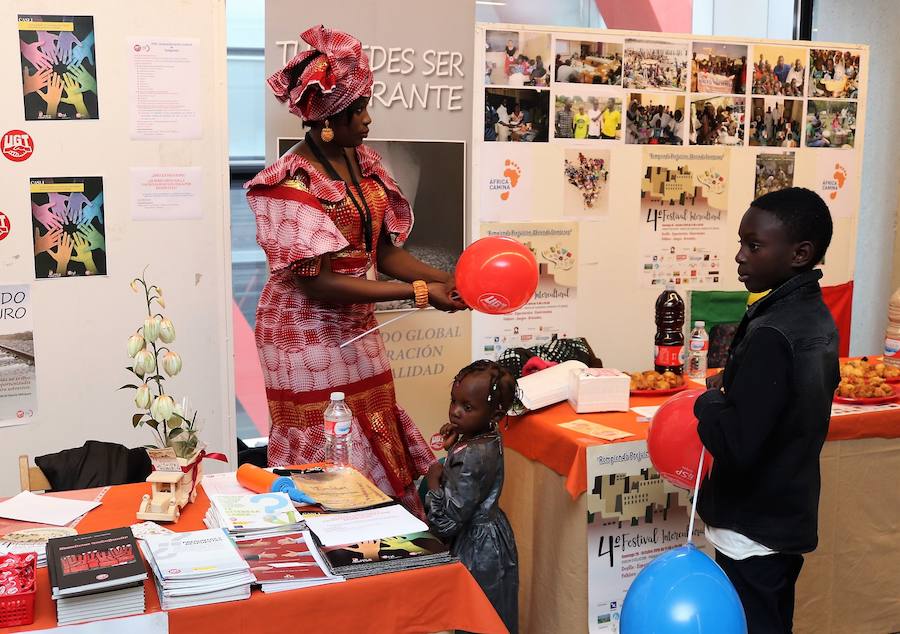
{"points": [[699, 324], [670, 286], [337, 396]]}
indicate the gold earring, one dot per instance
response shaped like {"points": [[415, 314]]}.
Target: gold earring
{"points": [[327, 133]]}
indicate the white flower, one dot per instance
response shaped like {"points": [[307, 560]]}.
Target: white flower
{"points": [[171, 363], [135, 343], [162, 408], [167, 330], [142, 397], [151, 329], [144, 362]]}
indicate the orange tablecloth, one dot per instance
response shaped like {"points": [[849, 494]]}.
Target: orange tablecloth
{"points": [[426, 600], [537, 435]]}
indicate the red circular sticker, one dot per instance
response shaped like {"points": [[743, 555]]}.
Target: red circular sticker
{"points": [[17, 145], [4, 225]]}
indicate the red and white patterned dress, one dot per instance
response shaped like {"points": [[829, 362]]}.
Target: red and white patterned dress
{"points": [[302, 215]]}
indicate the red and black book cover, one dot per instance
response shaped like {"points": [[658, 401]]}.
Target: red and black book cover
{"points": [[81, 564]]}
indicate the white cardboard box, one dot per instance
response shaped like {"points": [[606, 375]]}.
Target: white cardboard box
{"points": [[599, 390]]}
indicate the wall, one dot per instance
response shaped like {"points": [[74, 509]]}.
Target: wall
{"points": [[81, 324], [875, 23]]}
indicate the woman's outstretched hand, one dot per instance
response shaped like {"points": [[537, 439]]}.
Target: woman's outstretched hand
{"points": [[444, 297]]}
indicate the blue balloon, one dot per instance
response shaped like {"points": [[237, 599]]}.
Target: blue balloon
{"points": [[682, 591]]}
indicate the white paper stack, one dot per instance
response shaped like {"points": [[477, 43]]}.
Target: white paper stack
{"points": [[197, 568], [549, 386], [105, 605], [253, 514]]}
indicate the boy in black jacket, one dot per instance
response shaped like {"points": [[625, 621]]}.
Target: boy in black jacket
{"points": [[766, 420]]}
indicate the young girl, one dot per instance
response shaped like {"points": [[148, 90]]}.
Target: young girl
{"points": [[463, 493]]}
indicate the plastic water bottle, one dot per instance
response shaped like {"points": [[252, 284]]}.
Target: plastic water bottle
{"points": [[338, 437], [892, 333], [669, 340], [698, 348]]}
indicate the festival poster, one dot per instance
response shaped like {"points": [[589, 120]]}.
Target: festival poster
{"points": [[684, 198], [69, 228], [633, 517], [506, 178], [586, 174], [552, 311], [773, 173], [59, 67], [837, 182], [18, 386]]}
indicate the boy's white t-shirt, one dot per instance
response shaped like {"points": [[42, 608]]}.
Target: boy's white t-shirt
{"points": [[735, 545]]}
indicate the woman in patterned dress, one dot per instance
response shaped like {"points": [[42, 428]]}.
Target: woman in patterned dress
{"points": [[328, 217]]}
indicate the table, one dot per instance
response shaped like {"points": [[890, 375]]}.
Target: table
{"points": [[420, 601], [849, 584]]}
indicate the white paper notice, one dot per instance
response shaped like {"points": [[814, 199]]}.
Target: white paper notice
{"points": [[166, 193], [28, 507], [335, 529], [165, 88]]}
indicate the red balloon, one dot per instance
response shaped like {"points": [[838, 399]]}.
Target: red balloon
{"points": [[673, 443], [496, 275]]}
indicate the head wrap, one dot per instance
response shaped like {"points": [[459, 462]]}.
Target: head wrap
{"points": [[327, 78]]}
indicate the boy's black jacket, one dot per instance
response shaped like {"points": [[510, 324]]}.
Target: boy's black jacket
{"points": [[766, 431]]}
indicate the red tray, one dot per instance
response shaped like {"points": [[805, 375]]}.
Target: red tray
{"points": [[882, 400], [668, 392]]}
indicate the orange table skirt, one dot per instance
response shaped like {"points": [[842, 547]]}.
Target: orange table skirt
{"points": [[416, 601], [537, 435]]}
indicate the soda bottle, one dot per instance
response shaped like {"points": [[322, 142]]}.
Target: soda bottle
{"points": [[892, 333], [338, 437], [669, 341], [698, 348]]}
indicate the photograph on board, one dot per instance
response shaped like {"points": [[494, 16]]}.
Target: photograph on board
{"points": [[516, 114], [833, 73], [775, 121], [516, 58], [654, 119], [718, 68], [830, 123], [587, 116], [580, 62], [778, 70], [656, 65], [717, 121]]}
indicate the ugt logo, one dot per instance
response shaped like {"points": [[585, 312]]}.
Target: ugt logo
{"points": [[17, 145], [494, 302]]}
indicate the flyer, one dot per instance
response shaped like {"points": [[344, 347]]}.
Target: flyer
{"points": [[18, 381], [684, 198], [165, 80], [67, 217], [552, 311], [633, 517], [59, 67]]}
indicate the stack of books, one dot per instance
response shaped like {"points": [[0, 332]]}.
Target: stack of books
{"points": [[253, 515], [286, 562], [96, 576], [197, 568], [390, 554]]}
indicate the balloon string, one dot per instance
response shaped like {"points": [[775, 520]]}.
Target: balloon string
{"points": [[696, 491], [389, 321]]}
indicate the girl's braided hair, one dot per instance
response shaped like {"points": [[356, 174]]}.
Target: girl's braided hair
{"points": [[502, 390]]}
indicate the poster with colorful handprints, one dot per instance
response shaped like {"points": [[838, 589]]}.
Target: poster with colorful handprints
{"points": [[67, 218], [59, 67]]}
